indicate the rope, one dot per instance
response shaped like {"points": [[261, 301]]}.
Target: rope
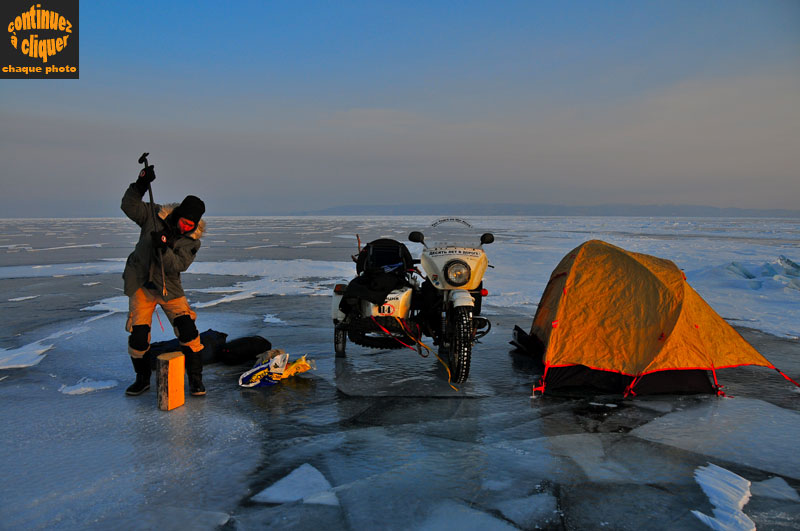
{"points": [[389, 333], [629, 390], [717, 387], [426, 347], [159, 319], [784, 375], [404, 325], [541, 384]]}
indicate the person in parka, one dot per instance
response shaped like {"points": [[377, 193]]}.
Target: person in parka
{"points": [[168, 243]]}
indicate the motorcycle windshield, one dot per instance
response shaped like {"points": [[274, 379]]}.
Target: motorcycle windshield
{"points": [[452, 232]]}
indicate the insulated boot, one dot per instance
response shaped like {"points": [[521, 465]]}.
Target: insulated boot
{"points": [[142, 368], [194, 370]]}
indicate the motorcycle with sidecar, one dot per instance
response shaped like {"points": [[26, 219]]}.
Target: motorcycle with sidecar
{"points": [[391, 304]]}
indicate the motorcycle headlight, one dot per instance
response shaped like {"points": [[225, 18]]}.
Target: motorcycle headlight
{"points": [[457, 272]]}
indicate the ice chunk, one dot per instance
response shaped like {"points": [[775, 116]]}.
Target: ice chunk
{"points": [[776, 488], [728, 493], [304, 483], [739, 270], [588, 452], [166, 518], [717, 428], [20, 299], [453, 515], [86, 385], [790, 268], [327, 497], [273, 319], [530, 512]]}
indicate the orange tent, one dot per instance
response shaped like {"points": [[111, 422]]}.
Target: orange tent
{"points": [[618, 320]]}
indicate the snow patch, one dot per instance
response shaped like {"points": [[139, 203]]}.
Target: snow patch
{"points": [[111, 305], [25, 356], [87, 385], [728, 493]]}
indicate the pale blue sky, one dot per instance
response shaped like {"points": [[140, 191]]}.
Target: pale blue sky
{"points": [[273, 107]]}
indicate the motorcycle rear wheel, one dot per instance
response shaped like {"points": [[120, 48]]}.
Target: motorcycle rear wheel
{"points": [[460, 344], [340, 341]]}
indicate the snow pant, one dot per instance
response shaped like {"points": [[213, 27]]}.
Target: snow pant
{"points": [[141, 306]]}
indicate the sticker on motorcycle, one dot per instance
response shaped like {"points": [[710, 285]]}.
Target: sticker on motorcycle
{"points": [[386, 309], [454, 252]]}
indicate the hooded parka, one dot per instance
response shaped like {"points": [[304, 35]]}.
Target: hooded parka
{"points": [[142, 266]]}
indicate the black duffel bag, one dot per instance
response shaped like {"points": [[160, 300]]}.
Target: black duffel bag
{"points": [[243, 350], [211, 339]]}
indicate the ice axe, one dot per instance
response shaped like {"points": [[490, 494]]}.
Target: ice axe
{"points": [[143, 160]]}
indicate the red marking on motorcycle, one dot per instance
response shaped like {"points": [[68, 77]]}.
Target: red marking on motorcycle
{"points": [[484, 292], [555, 323]]}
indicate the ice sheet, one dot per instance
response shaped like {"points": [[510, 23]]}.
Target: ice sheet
{"points": [[399, 448], [733, 429], [775, 488]]}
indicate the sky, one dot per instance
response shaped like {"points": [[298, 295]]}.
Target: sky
{"points": [[274, 107]]}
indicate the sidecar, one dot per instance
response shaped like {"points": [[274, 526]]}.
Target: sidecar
{"points": [[376, 308]]}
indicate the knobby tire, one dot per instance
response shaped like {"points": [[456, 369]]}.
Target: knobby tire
{"points": [[460, 344]]}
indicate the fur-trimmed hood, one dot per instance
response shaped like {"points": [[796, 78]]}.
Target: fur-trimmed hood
{"points": [[196, 234]]}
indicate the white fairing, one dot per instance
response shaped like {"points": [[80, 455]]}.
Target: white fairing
{"points": [[461, 297], [434, 260], [397, 304]]}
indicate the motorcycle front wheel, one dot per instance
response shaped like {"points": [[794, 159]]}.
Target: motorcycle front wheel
{"points": [[460, 343]]}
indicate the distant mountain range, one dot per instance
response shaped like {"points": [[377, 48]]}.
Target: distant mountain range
{"points": [[511, 209]]}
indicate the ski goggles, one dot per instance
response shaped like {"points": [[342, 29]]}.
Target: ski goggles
{"points": [[186, 225]]}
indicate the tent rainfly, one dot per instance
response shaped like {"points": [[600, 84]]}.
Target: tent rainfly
{"points": [[628, 322]]}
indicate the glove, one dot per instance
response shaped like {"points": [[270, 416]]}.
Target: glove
{"points": [[161, 240], [146, 176]]}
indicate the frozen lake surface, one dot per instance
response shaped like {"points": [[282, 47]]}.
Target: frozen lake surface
{"points": [[379, 439]]}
